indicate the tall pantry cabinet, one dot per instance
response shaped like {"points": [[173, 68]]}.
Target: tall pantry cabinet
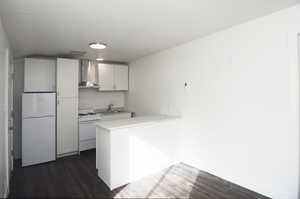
{"points": [[67, 106]]}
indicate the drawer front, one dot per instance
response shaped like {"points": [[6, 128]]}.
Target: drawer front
{"points": [[87, 130]]}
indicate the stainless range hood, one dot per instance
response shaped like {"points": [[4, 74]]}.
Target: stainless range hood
{"points": [[88, 74]]}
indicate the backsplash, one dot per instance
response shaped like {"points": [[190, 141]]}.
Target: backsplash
{"points": [[91, 98]]}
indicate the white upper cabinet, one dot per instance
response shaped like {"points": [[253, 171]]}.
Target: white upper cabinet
{"points": [[113, 77], [39, 75], [67, 78], [106, 77], [121, 77]]}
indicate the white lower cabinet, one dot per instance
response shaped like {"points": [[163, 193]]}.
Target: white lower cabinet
{"points": [[130, 150], [67, 126]]}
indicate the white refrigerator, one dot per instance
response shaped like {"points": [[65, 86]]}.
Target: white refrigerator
{"points": [[38, 128]]}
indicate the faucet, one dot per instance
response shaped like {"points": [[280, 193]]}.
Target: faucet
{"points": [[109, 108]]}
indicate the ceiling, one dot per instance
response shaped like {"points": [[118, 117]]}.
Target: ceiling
{"points": [[132, 28]]}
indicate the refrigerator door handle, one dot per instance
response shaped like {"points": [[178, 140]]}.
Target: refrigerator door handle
{"points": [[45, 116]]}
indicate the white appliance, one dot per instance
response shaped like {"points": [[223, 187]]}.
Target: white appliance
{"points": [[87, 126], [87, 129], [38, 128]]}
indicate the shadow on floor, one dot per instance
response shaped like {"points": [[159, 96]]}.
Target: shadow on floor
{"points": [[183, 181]]}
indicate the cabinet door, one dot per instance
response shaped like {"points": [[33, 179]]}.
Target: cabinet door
{"points": [[67, 125], [67, 77], [121, 77], [106, 77], [39, 75]]}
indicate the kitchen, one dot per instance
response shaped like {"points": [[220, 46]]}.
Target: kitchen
{"points": [[68, 99], [78, 104], [149, 99]]}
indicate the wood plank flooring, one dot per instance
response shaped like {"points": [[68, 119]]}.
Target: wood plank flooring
{"points": [[76, 177]]}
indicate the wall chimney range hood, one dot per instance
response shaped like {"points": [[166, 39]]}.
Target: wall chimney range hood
{"points": [[88, 74]]}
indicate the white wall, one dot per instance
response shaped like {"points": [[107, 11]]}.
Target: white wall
{"points": [[4, 164], [91, 98], [240, 109]]}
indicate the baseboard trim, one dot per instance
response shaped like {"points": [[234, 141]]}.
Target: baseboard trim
{"points": [[6, 193], [67, 154]]}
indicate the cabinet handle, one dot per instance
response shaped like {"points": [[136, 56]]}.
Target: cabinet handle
{"points": [[57, 102], [57, 93]]}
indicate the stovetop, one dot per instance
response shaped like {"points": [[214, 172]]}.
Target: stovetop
{"points": [[88, 115], [93, 117]]}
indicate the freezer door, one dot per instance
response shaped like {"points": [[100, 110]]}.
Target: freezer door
{"points": [[38, 140], [36, 105]]}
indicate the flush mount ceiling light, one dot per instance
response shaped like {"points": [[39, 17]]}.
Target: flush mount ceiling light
{"points": [[99, 59], [97, 45]]}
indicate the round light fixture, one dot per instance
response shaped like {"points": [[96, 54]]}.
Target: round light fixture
{"points": [[99, 59], [98, 46]]}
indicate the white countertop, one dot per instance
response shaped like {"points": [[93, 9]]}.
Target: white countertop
{"points": [[134, 122]]}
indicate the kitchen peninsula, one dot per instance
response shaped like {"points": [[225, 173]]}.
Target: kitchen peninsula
{"points": [[129, 149]]}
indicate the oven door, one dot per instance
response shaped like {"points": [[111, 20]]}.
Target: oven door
{"points": [[87, 130], [87, 135]]}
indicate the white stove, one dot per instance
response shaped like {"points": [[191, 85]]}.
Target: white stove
{"points": [[87, 126], [87, 129]]}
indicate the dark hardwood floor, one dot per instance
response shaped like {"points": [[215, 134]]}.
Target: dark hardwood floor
{"points": [[69, 177], [76, 177]]}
